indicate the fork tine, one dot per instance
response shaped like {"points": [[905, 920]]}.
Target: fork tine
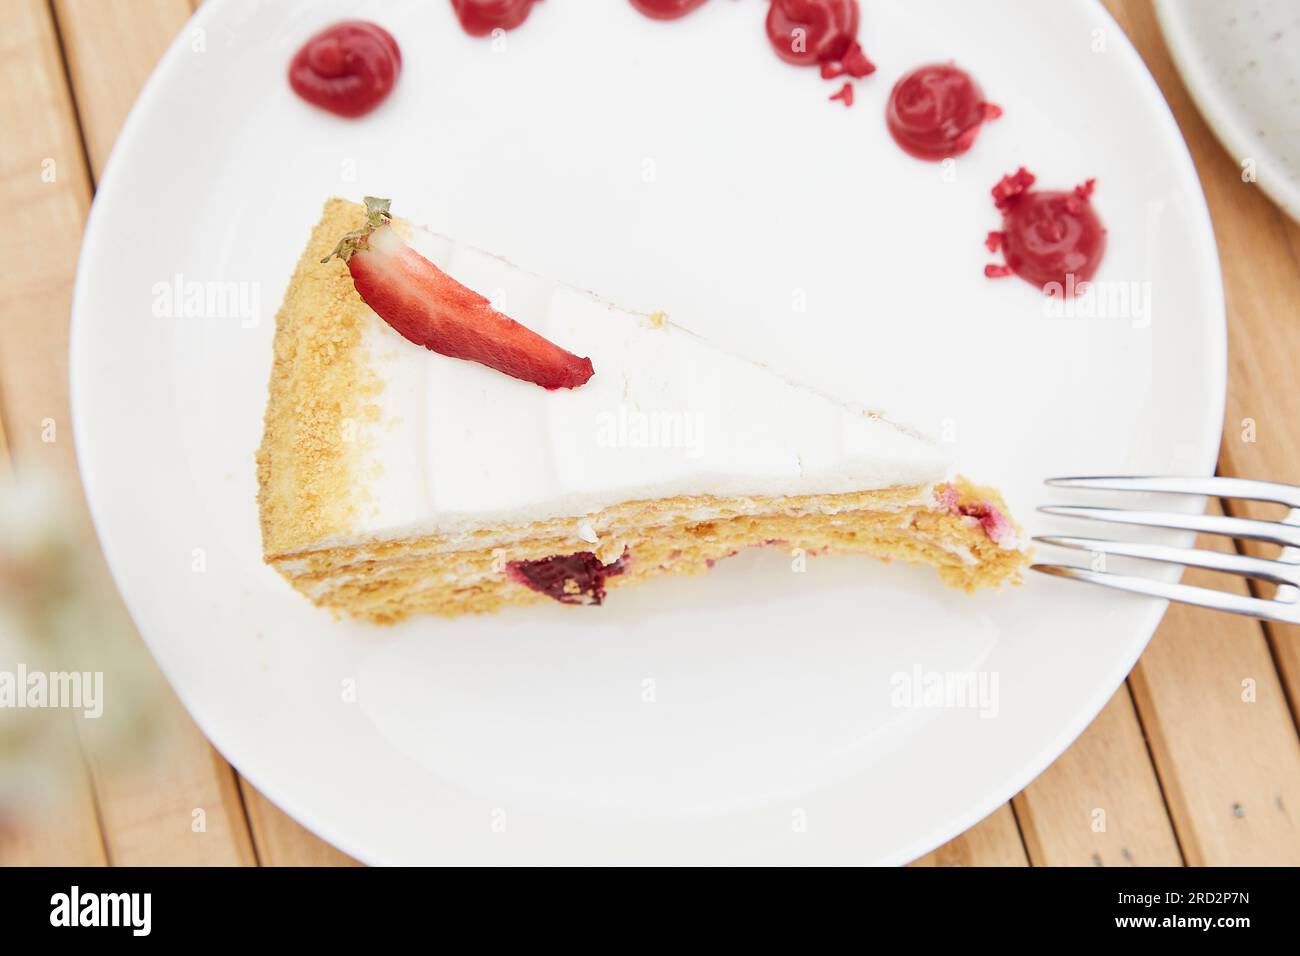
{"points": [[1210, 524], [1183, 593], [1210, 487], [1232, 563]]}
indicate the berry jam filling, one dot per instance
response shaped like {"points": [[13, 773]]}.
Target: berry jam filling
{"points": [[577, 578], [991, 520], [348, 68], [481, 17], [936, 111], [1052, 239], [666, 9]]}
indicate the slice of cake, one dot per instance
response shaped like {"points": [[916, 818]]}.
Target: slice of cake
{"points": [[577, 449]]}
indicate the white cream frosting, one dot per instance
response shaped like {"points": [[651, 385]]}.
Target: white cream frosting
{"points": [[458, 446]]}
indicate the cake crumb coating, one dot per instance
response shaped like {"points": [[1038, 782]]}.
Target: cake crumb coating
{"points": [[321, 394]]}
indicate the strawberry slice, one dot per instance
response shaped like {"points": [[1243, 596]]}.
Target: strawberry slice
{"points": [[430, 308]]}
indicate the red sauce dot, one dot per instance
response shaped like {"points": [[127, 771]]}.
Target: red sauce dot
{"points": [[808, 32], [845, 94], [666, 9], [481, 17], [935, 111], [348, 68], [1053, 239]]}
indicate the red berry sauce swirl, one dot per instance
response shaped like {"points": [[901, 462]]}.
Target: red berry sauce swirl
{"points": [[935, 111], [666, 9], [481, 17], [1050, 238], [348, 68], [818, 33]]}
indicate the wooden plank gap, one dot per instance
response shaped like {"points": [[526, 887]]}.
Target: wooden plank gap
{"points": [[1155, 765], [1020, 831], [1275, 635], [72, 95], [994, 841], [237, 781], [1219, 729], [1100, 803]]}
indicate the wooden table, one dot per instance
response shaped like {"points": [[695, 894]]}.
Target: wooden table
{"points": [[1183, 766]]}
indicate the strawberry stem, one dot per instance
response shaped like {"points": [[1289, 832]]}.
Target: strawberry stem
{"points": [[377, 215]]}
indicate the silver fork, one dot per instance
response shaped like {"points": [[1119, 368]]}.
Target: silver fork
{"points": [[1284, 571]]}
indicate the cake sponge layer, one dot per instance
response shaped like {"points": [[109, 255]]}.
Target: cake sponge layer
{"points": [[389, 582]]}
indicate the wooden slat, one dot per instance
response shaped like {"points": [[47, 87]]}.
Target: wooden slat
{"points": [[1100, 803], [281, 841], [1084, 778], [140, 808], [35, 288], [994, 841], [122, 39], [1221, 734], [182, 808], [111, 46]]}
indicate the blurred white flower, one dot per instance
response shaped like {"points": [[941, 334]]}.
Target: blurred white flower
{"points": [[58, 616]]}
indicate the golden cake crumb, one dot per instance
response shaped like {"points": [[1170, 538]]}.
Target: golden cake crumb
{"points": [[321, 398]]}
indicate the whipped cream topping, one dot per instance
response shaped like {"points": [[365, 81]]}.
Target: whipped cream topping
{"points": [[457, 446]]}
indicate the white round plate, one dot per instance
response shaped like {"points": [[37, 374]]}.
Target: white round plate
{"points": [[754, 715], [1241, 63]]}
